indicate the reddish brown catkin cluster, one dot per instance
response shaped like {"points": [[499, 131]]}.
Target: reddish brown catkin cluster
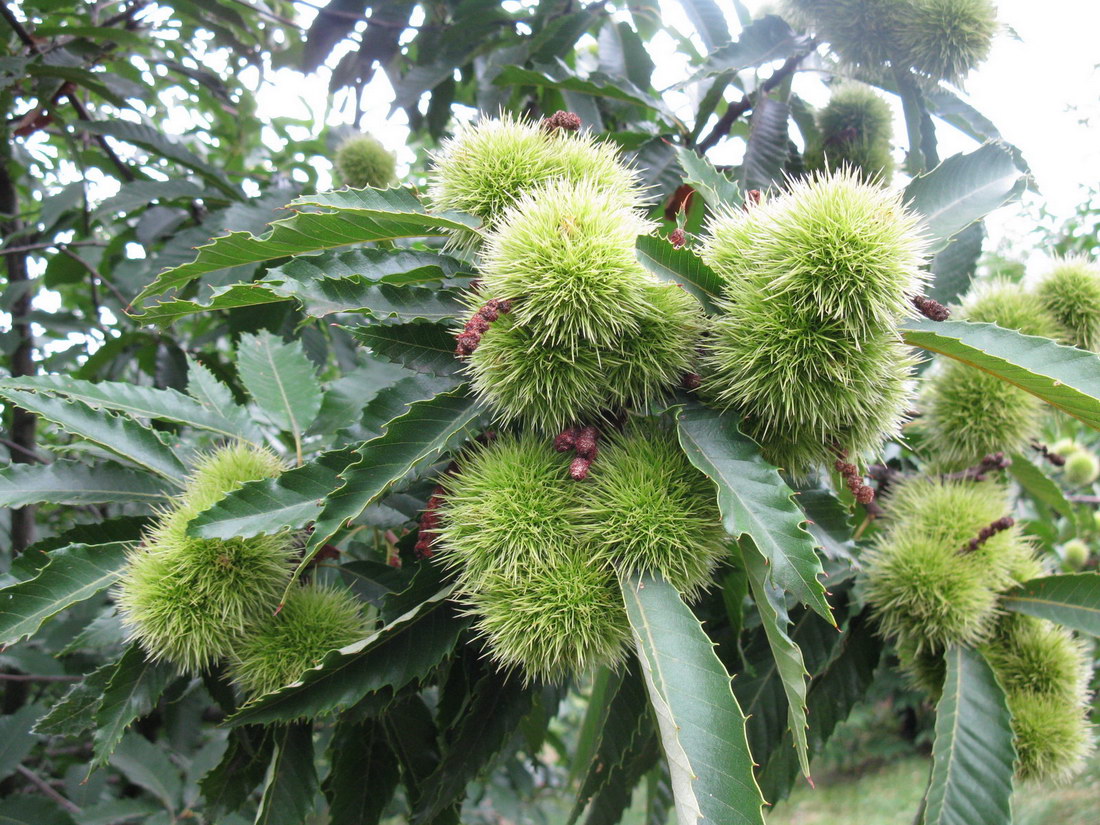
{"points": [[1054, 458], [854, 480], [930, 308], [429, 524], [677, 237], [566, 121], [987, 533], [477, 326], [753, 197], [583, 441]]}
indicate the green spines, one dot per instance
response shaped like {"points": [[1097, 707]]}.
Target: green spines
{"points": [[856, 132], [565, 257], [924, 581], [1045, 672], [489, 164], [278, 650], [807, 343], [189, 600], [649, 510], [1070, 292], [1075, 555], [945, 39], [940, 39], [551, 386], [968, 413], [362, 161]]}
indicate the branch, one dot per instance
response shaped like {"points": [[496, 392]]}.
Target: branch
{"points": [[45, 787], [735, 110], [96, 275], [24, 677]]}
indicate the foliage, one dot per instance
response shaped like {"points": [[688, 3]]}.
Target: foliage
{"points": [[457, 499]]}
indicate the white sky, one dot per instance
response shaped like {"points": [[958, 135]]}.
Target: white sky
{"points": [[1037, 87]]}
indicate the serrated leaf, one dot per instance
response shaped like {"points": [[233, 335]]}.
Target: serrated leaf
{"points": [[772, 608], [135, 194], [365, 773], [417, 438], [1038, 485], [75, 712], [1072, 599], [1067, 378], [162, 145], [954, 266], [766, 149], [346, 217], [344, 399], [132, 691], [148, 766], [836, 688], [709, 20], [496, 705], [716, 189], [217, 399], [281, 379], [701, 726], [73, 574], [71, 482], [754, 500], [419, 346], [405, 650], [32, 810], [559, 76], [133, 399], [680, 266], [273, 505], [227, 785], [973, 756], [963, 189], [624, 717], [290, 786], [124, 437]]}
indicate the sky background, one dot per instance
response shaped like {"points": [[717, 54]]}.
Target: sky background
{"points": [[1040, 86]]}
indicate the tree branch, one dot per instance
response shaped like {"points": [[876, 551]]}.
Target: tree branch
{"points": [[45, 787]]}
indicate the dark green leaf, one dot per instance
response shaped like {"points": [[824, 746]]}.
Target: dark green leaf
{"points": [[227, 786], [217, 399], [148, 766], [1067, 378], [1072, 599], [31, 810], [344, 399], [560, 76], [134, 400], [702, 729], [754, 500], [122, 436], [789, 665], [364, 773], [762, 41], [132, 691], [973, 757], [681, 266], [75, 713], [290, 787], [716, 189], [70, 482], [709, 20], [496, 705], [281, 379], [405, 650], [74, 573], [16, 739], [419, 346], [766, 149], [954, 266], [347, 217], [1038, 485], [963, 189]]}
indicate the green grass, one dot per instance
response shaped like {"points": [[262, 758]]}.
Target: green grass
{"points": [[892, 794]]}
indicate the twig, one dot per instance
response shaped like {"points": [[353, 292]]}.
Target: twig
{"points": [[1084, 499], [34, 677], [993, 461], [17, 27], [11, 445], [96, 275], [44, 786], [735, 110], [12, 250]]}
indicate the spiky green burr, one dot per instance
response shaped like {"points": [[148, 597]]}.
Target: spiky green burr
{"points": [[489, 164], [564, 256], [1070, 292], [647, 509], [968, 413], [806, 344], [362, 161], [189, 600], [552, 386], [856, 129], [923, 581], [944, 39], [1082, 468], [861, 32], [279, 649]]}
